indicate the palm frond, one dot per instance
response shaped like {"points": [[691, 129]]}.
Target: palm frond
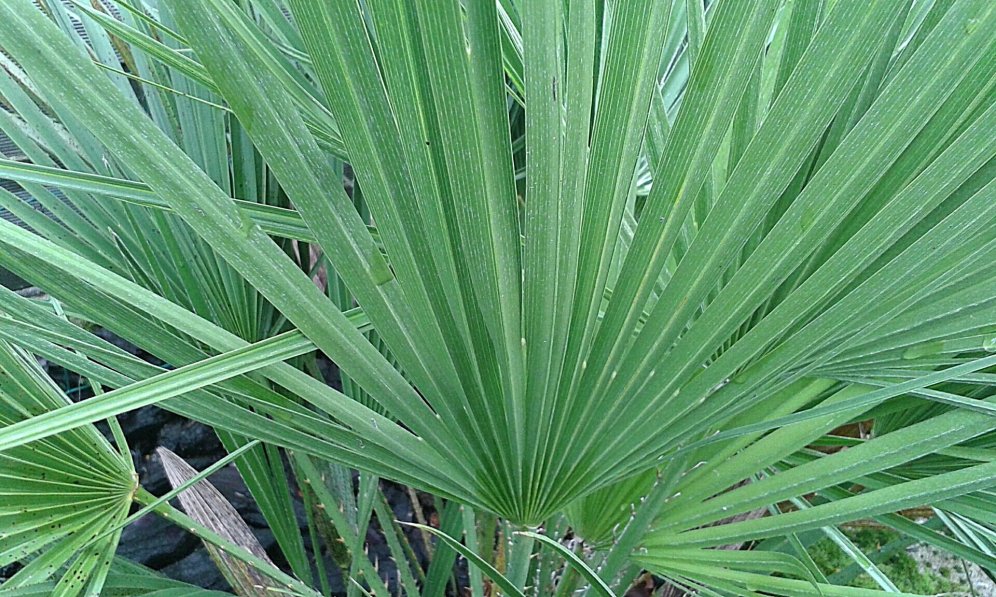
{"points": [[632, 261]]}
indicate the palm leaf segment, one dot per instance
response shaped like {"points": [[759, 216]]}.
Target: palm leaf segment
{"points": [[62, 499], [554, 325]]}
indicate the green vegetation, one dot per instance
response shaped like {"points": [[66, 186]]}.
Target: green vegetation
{"points": [[617, 272], [900, 566]]}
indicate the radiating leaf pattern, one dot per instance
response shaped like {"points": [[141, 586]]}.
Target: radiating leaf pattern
{"points": [[58, 495], [636, 261]]}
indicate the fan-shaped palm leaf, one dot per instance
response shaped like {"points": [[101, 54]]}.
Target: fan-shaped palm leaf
{"points": [[610, 238], [59, 495]]}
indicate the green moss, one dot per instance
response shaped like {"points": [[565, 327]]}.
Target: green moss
{"points": [[899, 567]]}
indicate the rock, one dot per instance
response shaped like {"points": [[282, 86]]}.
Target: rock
{"points": [[189, 438], [197, 569], [142, 426], [155, 542]]}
